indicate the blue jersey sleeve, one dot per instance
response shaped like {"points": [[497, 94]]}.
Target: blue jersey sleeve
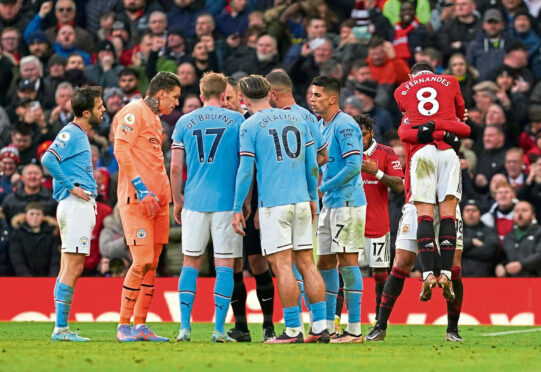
{"points": [[243, 181], [51, 162], [247, 140], [178, 135], [312, 169], [67, 144]]}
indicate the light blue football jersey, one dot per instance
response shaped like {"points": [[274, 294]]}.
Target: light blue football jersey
{"points": [[278, 140], [210, 138], [344, 139], [72, 150], [313, 125]]}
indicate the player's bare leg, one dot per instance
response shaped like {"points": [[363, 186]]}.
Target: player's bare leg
{"points": [[288, 290], [426, 242], [402, 265], [447, 244], [454, 307], [315, 291]]}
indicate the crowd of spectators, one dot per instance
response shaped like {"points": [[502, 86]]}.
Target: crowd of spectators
{"points": [[492, 47]]}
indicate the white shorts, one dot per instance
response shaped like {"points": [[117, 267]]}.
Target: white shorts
{"points": [[406, 237], [376, 252], [197, 227], [285, 227], [434, 174], [341, 230], [76, 220]]}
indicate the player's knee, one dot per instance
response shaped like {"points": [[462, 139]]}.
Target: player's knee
{"points": [[75, 268], [326, 262], [258, 264]]}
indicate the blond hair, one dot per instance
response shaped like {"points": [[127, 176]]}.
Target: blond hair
{"points": [[212, 84]]}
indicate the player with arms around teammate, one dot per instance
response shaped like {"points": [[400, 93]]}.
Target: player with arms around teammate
{"points": [[342, 220], [144, 195], [252, 250], [432, 103], [278, 142], [209, 140], [69, 161]]}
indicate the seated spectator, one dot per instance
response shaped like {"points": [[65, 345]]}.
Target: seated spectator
{"points": [[9, 161], [65, 44], [455, 33], [113, 102], [30, 68], [260, 61], [353, 106], [75, 70], [29, 190], [205, 30], [531, 190], [112, 242], [513, 102], [491, 160], [486, 201], [55, 68], [521, 249], [484, 96], [366, 91], [121, 39], [496, 116], [128, 81], [184, 12], [465, 74], [480, 243], [5, 263], [391, 10], [10, 39], [522, 30], [191, 103], [408, 33], [135, 13], [12, 16], [34, 245], [21, 138], [486, 52], [39, 46], [188, 77], [516, 61], [233, 19], [204, 56], [107, 20], [61, 114], [315, 29], [105, 70], [526, 140], [500, 216], [176, 46], [514, 168], [429, 55]]}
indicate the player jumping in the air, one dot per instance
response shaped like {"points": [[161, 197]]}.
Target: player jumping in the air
{"points": [[252, 250], [144, 195], [278, 142], [381, 170], [209, 140], [69, 161], [342, 220], [281, 96]]}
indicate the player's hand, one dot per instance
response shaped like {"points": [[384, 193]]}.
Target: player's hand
{"points": [[313, 210], [370, 167], [452, 140], [319, 193], [513, 267], [149, 205], [239, 224], [425, 134], [177, 212], [256, 219], [80, 193]]}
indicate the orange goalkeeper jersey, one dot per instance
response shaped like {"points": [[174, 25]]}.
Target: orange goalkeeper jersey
{"points": [[138, 149]]}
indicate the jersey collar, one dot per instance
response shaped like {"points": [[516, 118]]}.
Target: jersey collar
{"points": [[332, 119], [79, 126], [371, 149], [422, 73]]}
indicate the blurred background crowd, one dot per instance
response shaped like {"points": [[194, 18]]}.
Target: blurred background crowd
{"points": [[493, 48]]}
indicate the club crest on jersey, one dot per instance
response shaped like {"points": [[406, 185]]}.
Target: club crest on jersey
{"points": [[405, 229], [129, 119], [84, 241], [64, 136], [141, 233]]}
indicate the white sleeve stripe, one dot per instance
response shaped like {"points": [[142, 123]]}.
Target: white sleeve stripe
{"points": [[177, 146], [352, 152], [54, 153], [309, 143], [322, 147], [247, 153]]}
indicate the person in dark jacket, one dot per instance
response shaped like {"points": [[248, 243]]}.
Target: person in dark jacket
{"points": [[491, 160], [480, 243], [465, 74], [531, 190], [260, 61], [30, 190], [5, 264], [521, 249], [34, 244]]}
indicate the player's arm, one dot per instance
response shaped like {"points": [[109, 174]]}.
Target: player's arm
{"points": [[322, 156], [51, 162], [351, 152], [312, 176], [177, 164], [456, 127], [243, 182], [124, 139]]}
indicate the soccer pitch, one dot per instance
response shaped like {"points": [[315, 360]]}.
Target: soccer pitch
{"points": [[27, 347]]}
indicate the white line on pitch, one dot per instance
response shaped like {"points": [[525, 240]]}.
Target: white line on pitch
{"points": [[511, 332]]}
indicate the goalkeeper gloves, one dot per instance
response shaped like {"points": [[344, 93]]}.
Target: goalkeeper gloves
{"points": [[452, 140], [148, 202], [425, 132]]}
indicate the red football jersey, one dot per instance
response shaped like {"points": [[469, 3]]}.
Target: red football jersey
{"points": [[377, 194]]}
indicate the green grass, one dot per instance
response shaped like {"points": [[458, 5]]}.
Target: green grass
{"points": [[26, 347]]}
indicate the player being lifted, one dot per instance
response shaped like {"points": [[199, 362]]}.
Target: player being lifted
{"points": [[342, 220], [432, 177], [252, 249], [69, 161], [381, 170], [278, 142], [209, 140], [281, 96], [144, 195]]}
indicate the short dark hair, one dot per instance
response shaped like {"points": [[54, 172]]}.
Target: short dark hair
{"points": [[34, 205], [163, 80], [498, 128], [22, 128], [127, 72], [314, 18], [358, 63], [254, 87], [233, 82], [84, 98], [279, 78], [421, 66], [365, 121], [375, 42], [327, 83]]}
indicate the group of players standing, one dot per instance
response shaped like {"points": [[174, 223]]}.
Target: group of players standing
{"points": [[284, 144]]}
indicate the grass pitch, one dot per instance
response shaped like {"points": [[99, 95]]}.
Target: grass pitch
{"points": [[27, 347]]}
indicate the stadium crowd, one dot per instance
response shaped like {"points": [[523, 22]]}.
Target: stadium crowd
{"points": [[492, 47]]}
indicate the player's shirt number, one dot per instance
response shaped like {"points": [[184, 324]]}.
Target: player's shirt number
{"points": [[278, 147], [434, 105], [198, 133]]}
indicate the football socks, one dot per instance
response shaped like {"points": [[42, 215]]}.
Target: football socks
{"points": [[391, 291], [426, 243], [330, 277], [455, 306], [238, 302], [353, 291], [64, 295], [265, 295], [447, 243], [319, 323], [380, 279]]}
